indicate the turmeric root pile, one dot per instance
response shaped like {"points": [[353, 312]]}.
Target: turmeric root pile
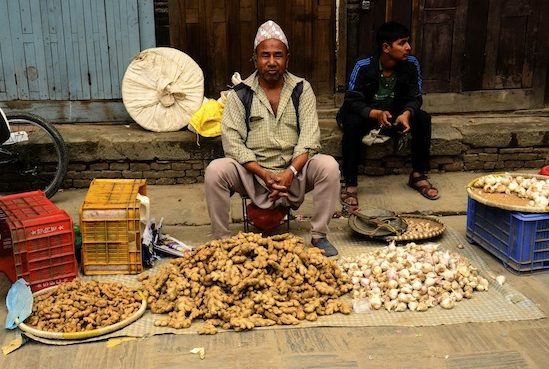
{"points": [[83, 305], [247, 281]]}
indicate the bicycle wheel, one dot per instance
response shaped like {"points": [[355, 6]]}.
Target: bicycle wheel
{"points": [[34, 158]]}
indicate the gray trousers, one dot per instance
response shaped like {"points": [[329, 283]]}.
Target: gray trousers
{"points": [[226, 176]]}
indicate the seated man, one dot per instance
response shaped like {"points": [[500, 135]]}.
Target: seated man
{"points": [[272, 157], [384, 92]]}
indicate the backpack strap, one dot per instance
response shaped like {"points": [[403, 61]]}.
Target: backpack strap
{"points": [[245, 94], [296, 95]]}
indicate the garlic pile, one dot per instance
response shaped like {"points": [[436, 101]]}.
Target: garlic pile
{"points": [[534, 189], [418, 227], [414, 277]]}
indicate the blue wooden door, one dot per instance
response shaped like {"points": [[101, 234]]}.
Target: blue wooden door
{"points": [[70, 49]]}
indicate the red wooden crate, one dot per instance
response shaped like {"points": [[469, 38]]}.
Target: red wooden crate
{"points": [[37, 240]]}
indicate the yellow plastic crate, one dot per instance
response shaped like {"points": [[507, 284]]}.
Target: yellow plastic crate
{"points": [[110, 227]]}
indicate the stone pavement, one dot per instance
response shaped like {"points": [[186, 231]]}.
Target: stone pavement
{"points": [[186, 217], [516, 344]]}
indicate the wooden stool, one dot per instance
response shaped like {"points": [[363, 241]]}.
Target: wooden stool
{"points": [[246, 219]]}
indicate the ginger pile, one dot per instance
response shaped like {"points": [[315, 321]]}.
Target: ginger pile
{"points": [[83, 305], [247, 281]]}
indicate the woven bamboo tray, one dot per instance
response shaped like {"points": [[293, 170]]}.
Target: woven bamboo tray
{"points": [[437, 229], [84, 334], [363, 228], [503, 201]]}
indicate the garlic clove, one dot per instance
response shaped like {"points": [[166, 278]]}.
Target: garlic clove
{"points": [[422, 306], [447, 303], [375, 302]]}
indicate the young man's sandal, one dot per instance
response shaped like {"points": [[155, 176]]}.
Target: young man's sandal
{"points": [[345, 196], [423, 189]]}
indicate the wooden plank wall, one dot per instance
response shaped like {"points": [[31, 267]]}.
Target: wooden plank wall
{"points": [[219, 36], [484, 45], [146, 23], [441, 42], [510, 44], [8, 86], [310, 29], [28, 53], [70, 49], [492, 49]]}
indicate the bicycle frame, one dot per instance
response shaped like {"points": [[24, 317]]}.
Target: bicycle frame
{"points": [[6, 155], [4, 127], [6, 136], [27, 142]]}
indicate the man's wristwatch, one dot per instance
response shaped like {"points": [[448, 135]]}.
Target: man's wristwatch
{"points": [[294, 171]]}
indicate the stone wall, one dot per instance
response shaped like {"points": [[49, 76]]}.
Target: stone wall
{"points": [[458, 144], [488, 159], [160, 172], [505, 158], [164, 172]]}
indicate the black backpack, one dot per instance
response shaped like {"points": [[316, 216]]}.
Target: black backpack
{"points": [[245, 94]]}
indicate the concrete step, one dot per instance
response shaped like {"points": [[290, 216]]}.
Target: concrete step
{"points": [[459, 142]]}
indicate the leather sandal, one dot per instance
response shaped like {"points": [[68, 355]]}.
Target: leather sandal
{"points": [[413, 182], [345, 196]]}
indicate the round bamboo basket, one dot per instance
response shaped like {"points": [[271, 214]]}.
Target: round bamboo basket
{"points": [[503, 201], [437, 228], [364, 222], [84, 334], [405, 221]]}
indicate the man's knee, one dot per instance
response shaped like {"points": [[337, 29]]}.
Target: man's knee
{"points": [[215, 169], [328, 165]]}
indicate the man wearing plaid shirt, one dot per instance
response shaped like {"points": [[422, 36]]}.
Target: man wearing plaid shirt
{"points": [[271, 159]]}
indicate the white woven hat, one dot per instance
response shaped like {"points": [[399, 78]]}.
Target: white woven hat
{"points": [[162, 88], [269, 30]]}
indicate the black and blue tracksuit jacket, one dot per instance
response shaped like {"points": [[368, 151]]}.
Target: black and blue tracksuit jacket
{"points": [[364, 82]]}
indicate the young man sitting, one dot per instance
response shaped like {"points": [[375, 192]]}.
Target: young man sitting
{"points": [[384, 92]]}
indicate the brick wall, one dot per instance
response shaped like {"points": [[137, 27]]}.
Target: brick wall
{"points": [[160, 172], [486, 159], [502, 143], [376, 161]]}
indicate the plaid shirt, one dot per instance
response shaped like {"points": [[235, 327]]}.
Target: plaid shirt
{"points": [[273, 141]]}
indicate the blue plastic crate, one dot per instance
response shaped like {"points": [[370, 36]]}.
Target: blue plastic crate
{"points": [[520, 240]]}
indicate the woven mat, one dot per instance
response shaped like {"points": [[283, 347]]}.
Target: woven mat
{"points": [[500, 303]]}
